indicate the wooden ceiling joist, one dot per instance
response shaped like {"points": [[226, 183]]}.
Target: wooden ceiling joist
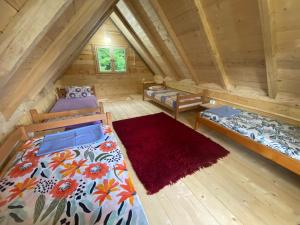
{"points": [[134, 41], [177, 43], [17, 42], [85, 20], [212, 46], [268, 32], [142, 31]]}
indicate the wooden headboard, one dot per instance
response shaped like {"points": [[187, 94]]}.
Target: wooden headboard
{"points": [[61, 92]]}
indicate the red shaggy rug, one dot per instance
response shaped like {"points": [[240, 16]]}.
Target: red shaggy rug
{"points": [[163, 150]]}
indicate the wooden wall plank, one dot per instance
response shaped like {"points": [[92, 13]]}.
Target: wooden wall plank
{"points": [[169, 29], [212, 45], [7, 12], [135, 42], [16, 42], [17, 4]]}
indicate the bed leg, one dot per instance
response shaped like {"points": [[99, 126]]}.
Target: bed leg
{"points": [[197, 124], [101, 107]]}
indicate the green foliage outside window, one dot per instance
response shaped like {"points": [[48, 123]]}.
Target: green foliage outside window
{"points": [[119, 59], [104, 59], [105, 62]]}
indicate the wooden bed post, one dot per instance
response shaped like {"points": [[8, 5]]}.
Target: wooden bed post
{"points": [[177, 106], [143, 91], [197, 124], [34, 115], [109, 119]]}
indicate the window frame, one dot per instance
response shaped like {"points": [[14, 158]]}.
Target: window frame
{"points": [[111, 51]]}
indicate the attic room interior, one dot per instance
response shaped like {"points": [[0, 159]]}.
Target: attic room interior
{"points": [[150, 112]]}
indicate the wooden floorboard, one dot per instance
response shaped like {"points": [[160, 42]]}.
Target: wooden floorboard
{"points": [[243, 188]]}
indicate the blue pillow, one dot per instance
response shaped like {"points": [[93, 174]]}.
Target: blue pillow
{"points": [[67, 139], [224, 111]]}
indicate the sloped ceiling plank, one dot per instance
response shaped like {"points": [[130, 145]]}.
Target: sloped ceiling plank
{"points": [[68, 56], [7, 12], [17, 4], [141, 30], [211, 42], [64, 45], [268, 26], [183, 57], [163, 36], [17, 42], [135, 42]]}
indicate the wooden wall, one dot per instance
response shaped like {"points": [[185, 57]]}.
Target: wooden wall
{"points": [[9, 9], [287, 30], [42, 102], [183, 17], [83, 70], [235, 27]]}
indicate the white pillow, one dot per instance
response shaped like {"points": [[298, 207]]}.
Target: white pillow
{"points": [[78, 92], [156, 88]]}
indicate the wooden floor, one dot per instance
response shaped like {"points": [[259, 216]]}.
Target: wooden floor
{"points": [[243, 188]]}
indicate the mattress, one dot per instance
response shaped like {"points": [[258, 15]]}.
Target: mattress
{"points": [[87, 184], [169, 97], [66, 104], [282, 137]]}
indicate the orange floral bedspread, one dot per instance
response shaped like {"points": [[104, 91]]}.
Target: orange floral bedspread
{"points": [[88, 184]]}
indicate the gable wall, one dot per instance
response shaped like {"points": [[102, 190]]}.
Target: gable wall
{"points": [[83, 70]]}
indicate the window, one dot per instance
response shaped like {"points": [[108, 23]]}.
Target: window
{"points": [[111, 59]]}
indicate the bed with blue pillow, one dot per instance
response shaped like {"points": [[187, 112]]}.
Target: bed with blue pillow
{"points": [[282, 137], [72, 177]]}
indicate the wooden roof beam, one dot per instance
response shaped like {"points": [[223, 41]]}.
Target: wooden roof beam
{"points": [[211, 43], [268, 32], [85, 20], [134, 41], [71, 56], [133, 18], [17, 42]]}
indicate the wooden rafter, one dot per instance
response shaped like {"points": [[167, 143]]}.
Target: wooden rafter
{"points": [[267, 25], [163, 18], [17, 42], [72, 56], [211, 43], [122, 25], [58, 53], [132, 16]]}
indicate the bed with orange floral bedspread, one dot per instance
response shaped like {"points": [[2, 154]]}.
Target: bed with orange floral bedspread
{"points": [[87, 184]]}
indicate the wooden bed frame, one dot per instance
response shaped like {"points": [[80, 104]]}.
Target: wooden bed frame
{"points": [[41, 117], [22, 133], [61, 92], [267, 152], [181, 100]]}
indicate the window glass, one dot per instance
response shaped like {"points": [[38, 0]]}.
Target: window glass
{"points": [[119, 55], [104, 59]]}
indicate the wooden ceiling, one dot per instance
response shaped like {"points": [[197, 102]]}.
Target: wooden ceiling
{"points": [[228, 43]]}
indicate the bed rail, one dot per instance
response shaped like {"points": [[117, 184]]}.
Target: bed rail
{"points": [[41, 117], [187, 102], [147, 84], [21, 133]]}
